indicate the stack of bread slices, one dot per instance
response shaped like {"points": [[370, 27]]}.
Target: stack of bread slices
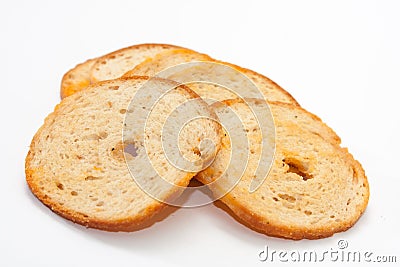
{"points": [[78, 163]]}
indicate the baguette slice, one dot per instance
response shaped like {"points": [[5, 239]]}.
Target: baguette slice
{"points": [[314, 188], [109, 66], [78, 161], [158, 65]]}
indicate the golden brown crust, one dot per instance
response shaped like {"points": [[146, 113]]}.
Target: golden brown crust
{"points": [[180, 51], [291, 99], [272, 225], [335, 139], [274, 229], [70, 84], [127, 224], [114, 54], [131, 223]]}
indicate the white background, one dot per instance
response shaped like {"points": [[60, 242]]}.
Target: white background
{"points": [[339, 59]]}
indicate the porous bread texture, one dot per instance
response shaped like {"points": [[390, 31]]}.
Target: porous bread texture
{"points": [[314, 189], [109, 66], [77, 162], [150, 59], [115, 64], [270, 89], [160, 66], [165, 60]]}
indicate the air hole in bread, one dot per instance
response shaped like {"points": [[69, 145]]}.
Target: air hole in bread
{"points": [[117, 150], [298, 167], [95, 137], [355, 175], [196, 151], [74, 193], [287, 197], [64, 156], [60, 185], [100, 203], [115, 87], [317, 134], [122, 111], [307, 212], [91, 178], [275, 199]]}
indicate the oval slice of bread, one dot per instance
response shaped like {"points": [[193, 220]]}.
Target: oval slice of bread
{"points": [[109, 66], [314, 189], [154, 67], [115, 64], [77, 162]]}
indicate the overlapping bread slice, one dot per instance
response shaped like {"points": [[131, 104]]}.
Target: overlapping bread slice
{"points": [[150, 59], [78, 160], [115, 64], [157, 65], [76, 79], [109, 66], [314, 188], [164, 60]]}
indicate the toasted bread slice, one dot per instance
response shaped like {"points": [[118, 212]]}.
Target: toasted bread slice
{"points": [[270, 89], [80, 161], [109, 66], [76, 79], [167, 59], [314, 188], [115, 64], [152, 66]]}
